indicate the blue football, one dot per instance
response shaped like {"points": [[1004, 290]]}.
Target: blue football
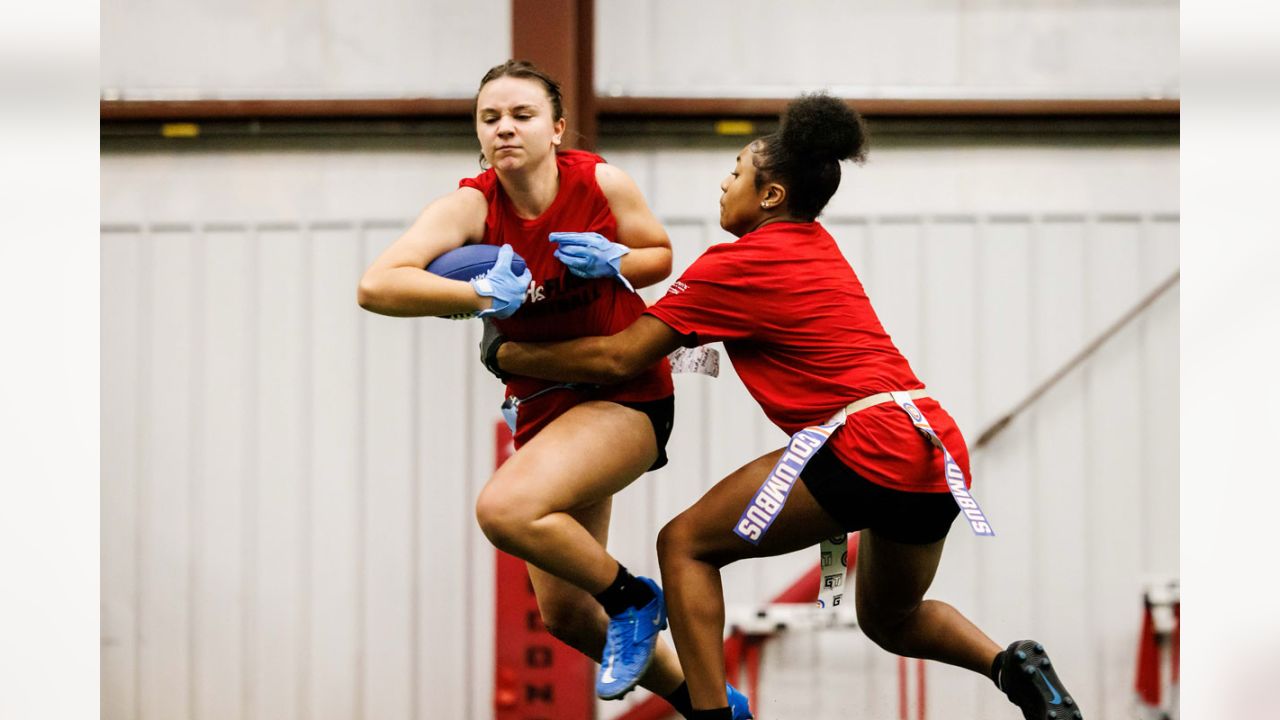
{"points": [[471, 261]]}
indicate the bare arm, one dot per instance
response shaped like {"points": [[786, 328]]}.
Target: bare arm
{"points": [[599, 360], [649, 261], [396, 283]]}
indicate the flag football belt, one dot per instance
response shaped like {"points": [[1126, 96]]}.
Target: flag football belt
{"points": [[511, 404], [699, 360], [768, 501]]}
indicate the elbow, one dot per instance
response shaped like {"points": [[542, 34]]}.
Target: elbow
{"points": [[665, 265], [659, 268], [368, 294], [655, 270]]}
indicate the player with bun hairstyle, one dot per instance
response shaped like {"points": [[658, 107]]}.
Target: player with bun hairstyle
{"points": [[806, 342], [587, 236]]}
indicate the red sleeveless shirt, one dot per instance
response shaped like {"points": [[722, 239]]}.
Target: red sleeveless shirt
{"points": [[560, 305]]}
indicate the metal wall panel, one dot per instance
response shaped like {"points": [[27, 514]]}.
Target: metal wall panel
{"points": [[288, 481], [121, 410], [910, 48]]}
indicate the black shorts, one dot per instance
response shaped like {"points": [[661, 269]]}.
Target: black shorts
{"points": [[857, 503], [662, 415]]}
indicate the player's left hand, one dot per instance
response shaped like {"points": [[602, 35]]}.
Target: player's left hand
{"points": [[590, 255]]}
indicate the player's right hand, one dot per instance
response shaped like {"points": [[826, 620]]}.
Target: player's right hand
{"points": [[504, 287], [591, 255]]}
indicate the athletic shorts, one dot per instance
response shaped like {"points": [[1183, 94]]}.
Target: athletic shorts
{"points": [[662, 415], [857, 503]]}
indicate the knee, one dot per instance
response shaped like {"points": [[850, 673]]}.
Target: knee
{"points": [[673, 540], [680, 539], [873, 630], [882, 626], [503, 518]]}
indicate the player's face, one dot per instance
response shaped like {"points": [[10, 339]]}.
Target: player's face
{"points": [[740, 211], [515, 123]]}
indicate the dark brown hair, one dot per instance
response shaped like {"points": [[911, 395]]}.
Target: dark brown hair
{"points": [[528, 71], [817, 132]]}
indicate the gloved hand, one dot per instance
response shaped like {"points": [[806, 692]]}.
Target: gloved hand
{"points": [[590, 255], [489, 344], [506, 288]]}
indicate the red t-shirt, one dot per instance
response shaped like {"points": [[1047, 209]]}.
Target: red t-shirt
{"points": [[560, 305], [803, 337]]}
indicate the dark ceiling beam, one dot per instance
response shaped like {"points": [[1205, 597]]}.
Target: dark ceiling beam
{"points": [[195, 110], [652, 107], [621, 108]]}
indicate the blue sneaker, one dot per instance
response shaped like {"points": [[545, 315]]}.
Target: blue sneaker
{"points": [[738, 703], [628, 648]]}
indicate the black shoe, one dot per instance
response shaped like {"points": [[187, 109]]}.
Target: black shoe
{"points": [[1027, 677]]}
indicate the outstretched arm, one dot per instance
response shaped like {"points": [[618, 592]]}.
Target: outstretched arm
{"points": [[598, 360]]}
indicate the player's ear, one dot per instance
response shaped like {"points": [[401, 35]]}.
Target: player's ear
{"points": [[772, 196]]}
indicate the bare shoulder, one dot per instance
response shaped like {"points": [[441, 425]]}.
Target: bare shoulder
{"points": [[448, 222], [615, 183], [465, 202], [637, 226], [460, 214]]}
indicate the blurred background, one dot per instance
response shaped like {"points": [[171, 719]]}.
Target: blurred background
{"points": [[288, 481]]}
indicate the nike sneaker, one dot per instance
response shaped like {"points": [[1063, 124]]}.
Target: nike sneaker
{"points": [[1027, 677], [738, 703], [628, 648]]}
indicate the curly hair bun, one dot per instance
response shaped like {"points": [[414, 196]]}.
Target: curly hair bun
{"points": [[819, 126]]}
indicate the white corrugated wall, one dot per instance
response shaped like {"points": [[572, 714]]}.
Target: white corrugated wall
{"points": [[863, 48], [906, 48], [197, 49], [288, 480]]}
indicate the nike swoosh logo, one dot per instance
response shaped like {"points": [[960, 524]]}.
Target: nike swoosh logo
{"points": [[607, 675], [1056, 699], [657, 620]]}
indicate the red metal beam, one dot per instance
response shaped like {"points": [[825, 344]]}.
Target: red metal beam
{"points": [[587, 106], [921, 695], [556, 36], [902, 689]]}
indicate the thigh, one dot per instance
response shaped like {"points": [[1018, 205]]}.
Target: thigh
{"points": [[911, 517], [582, 457], [708, 525], [893, 576]]}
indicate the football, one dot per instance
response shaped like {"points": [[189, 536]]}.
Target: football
{"points": [[471, 261]]}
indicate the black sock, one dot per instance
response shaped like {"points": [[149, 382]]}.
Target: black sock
{"points": [[723, 713], [679, 699], [624, 592], [995, 669]]}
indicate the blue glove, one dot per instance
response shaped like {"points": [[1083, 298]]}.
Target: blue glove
{"points": [[506, 288], [590, 255]]}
